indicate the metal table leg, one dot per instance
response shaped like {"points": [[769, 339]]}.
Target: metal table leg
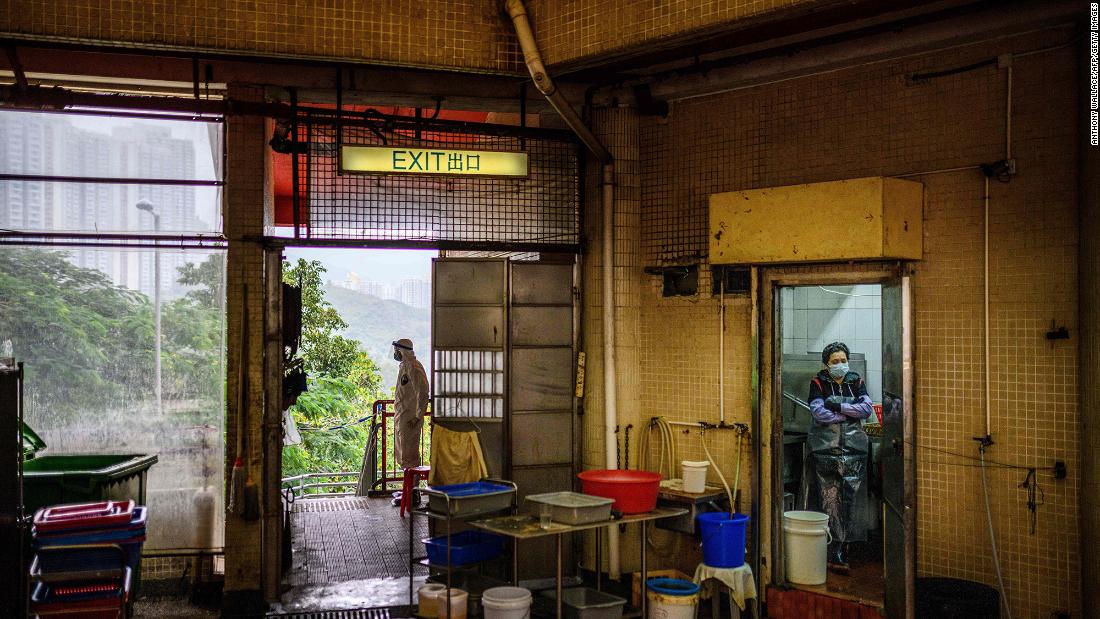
{"points": [[412, 557], [599, 558], [558, 583], [645, 572]]}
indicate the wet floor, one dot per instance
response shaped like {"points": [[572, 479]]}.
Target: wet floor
{"points": [[350, 553]]}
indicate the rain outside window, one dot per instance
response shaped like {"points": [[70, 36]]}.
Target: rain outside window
{"points": [[83, 318]]}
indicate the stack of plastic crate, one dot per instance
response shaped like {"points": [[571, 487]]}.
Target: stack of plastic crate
{"points": [[86, 556]]}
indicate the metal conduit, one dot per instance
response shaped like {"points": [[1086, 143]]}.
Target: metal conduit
{"points": [[541, 78]]}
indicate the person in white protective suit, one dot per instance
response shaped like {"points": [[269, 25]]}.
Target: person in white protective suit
{"points": [[410, 402]]}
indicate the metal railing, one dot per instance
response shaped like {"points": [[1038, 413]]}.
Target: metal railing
{"points": [[381, 466], [298, 484]]}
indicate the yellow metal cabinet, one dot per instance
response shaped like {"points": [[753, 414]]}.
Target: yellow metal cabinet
{"points": [[855, 219]]}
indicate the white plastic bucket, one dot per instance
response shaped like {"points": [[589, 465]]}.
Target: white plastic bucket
{"points": [[671, 598], [805, 546], [506, 603], [458, 604], [695, 475], [428, 600]]}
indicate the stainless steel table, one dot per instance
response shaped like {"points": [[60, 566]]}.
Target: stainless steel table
{"points": [[527, 527]]}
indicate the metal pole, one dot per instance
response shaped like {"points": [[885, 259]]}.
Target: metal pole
{"points": [[557, 585], [156, 319], [645, 572], [599, 558]]}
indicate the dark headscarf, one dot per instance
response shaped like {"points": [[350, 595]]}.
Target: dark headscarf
{"points": [[832, 348]]}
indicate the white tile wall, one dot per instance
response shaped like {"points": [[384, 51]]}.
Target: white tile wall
{"points": [[814, 316]]}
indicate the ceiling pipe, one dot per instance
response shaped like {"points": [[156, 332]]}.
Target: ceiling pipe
{"points": [[531, 57]]}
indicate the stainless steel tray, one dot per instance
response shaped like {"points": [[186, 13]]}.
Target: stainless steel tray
{"points": [[572, 507]]}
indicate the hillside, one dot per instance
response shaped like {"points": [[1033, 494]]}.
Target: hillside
{"points": [[376, 322]]}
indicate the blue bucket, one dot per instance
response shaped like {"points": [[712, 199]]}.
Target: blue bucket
{"points": [[723, 538]]}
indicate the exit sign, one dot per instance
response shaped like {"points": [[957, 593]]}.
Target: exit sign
{"points": [[405, 160]]}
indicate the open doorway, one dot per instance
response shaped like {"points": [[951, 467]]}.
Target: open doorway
{"points": [[832, 419], [347, 539]]}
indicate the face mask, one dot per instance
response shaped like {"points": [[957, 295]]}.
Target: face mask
{"points": [[839, 370], [396, 355]]}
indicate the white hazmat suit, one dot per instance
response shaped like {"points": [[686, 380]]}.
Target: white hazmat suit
{"points": [[410, 402]]}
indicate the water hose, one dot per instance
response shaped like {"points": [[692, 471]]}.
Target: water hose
{"points": [[992, 538], [703, 439]]}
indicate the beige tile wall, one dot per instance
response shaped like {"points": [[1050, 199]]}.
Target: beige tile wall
{"points": [[571, 29], [460, 34], [1089, 346], [870, 121], [456, 34], [243, 214]]}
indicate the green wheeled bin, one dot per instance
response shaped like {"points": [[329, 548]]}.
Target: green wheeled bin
{"points": [[82, 478]]}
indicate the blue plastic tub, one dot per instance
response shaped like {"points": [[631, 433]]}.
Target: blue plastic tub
{"points": [[723, 538], [672, 586], [466, 547], [471, 499]]}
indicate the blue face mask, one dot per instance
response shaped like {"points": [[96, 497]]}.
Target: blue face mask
{"points": [[839, 370]]}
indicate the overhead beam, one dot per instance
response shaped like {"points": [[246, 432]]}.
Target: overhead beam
{"points": [[376, 85], [789, 63]]}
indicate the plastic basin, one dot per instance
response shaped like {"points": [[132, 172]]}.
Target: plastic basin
{"points": [[466, 547], [634, 492]]}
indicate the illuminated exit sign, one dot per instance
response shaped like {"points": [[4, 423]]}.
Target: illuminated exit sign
{"points": [[404, 160]]}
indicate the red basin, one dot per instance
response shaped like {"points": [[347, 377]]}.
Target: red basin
{"points": [[634, 492]]}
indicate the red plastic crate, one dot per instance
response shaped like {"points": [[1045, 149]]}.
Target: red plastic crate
{"points": [[84, 515]]}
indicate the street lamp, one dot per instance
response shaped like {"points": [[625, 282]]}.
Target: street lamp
{"points": [[145, 205]]}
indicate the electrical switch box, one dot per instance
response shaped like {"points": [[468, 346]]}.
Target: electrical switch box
{"points": [[855, 219]]}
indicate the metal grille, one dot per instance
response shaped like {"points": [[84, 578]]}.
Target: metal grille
{"points": [[468, 384], [541, 211], [366, 613]]}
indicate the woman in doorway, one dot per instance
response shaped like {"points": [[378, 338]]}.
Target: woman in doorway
{"points": [[839, 403]]}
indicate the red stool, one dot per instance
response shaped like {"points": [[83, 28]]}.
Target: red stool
{"points": [[412, 478]]}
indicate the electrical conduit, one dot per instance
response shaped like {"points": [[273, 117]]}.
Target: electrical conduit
{"points": [[531, 57]]}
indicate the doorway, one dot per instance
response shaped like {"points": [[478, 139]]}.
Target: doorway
{"points": [[348, 542], [861, 477]]}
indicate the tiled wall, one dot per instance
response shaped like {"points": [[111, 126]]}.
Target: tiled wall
{"points": [[815, 316], [572, 29], [461, 34], [1089, 302], [871, 121], [243, 214]]}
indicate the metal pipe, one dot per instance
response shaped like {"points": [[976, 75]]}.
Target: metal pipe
{"points": [[1008, 111], [611, 415], [46, 178], [985, 286], [533, 60], [545, 85], [722, 349]]}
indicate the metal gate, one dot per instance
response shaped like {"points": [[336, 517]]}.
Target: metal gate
{"points": [[502, 350]]}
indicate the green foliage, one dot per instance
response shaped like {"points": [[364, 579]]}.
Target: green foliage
{"points": [[343, 383], [77, 332], [194, 333], [87, 342]]}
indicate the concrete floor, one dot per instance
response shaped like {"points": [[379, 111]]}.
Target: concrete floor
{"points": [[170, 608]]}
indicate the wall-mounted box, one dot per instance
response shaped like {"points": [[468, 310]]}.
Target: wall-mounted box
{"points": [[856, 219]]}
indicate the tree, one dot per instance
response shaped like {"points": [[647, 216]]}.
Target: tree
{"points": [[324, 351], [194, 332], [343, 383], [79, 334]]}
